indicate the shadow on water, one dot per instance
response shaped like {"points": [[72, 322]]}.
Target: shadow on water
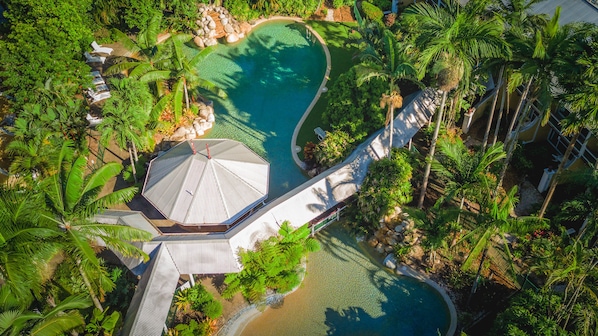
{"points": [[346, 293], [270, 78]]}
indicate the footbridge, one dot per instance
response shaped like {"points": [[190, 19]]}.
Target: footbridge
{"points": [[173, 255]]}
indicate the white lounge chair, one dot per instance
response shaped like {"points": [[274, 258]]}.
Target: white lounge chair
{"points": [[93, 121], [101, 88], [98, 49], [98, 81], [100, 96], [320, 133], [94, 59]]}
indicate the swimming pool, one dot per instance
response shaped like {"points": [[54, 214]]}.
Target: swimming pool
{"points": [[270, 77], [345, 292]]}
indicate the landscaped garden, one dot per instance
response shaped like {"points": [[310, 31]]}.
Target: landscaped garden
{"points": [[449, 206]]}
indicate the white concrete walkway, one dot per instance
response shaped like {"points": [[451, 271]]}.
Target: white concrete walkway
{"points": [[216, 253]]}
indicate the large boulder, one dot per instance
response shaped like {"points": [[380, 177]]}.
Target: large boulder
{"points": [[198, 41], [179, 134], [390, 261], [232, 38]]}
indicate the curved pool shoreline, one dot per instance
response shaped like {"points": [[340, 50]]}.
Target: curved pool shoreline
{"points": [[293, 144], [340, 244], [235, 325]]}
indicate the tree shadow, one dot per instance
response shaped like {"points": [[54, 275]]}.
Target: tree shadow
{"points": [[270, 82]]}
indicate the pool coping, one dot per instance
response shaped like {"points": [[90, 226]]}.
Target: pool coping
{"points": [[405, 270]]}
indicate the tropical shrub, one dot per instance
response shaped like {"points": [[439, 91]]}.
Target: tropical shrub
{"points": [[102, 323], [274, 264], [386, 185], [372, 12], [198, 299], [241, 10], [45, 40], [333, 149], [193, 328], [355, 109], [382, 4], [138, 13], [527, 315]]}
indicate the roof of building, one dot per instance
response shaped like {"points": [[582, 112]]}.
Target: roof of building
{"points": [[207, 181], [571, 10]]}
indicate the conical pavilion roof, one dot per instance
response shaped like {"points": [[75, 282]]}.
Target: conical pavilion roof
{"points": [[189, 187]]}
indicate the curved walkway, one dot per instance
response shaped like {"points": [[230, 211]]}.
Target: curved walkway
{"points": [[216, 253]]}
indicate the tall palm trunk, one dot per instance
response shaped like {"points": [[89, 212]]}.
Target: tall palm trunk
{"points": [[133, 165], [392, 117], [430, 156], [505, 96], [510, 143], [92, 293], [135, 156], [555, 178], [491, 116], [186, 93]]}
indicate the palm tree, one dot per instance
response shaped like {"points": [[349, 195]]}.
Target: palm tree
{"points": [[465, 172], [58, 320], [454, 40], [541, 61], [519, 21], [73, 198], [144, 54], [32, 159], [494, 221], [182, 74], [27, 243], [392, 63], [125, 116], [583, 104], [274, 264]]}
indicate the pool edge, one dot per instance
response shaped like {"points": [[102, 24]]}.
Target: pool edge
{"points": [[410, 272]]}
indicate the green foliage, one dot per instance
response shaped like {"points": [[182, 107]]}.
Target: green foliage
{"points": [[46, 40], [193, 328], [275, 264], [138, 13], [372, 12], [527, 315], [401, 251], [197, 298], [333, 149], [139, 168], [241, 10], [382, 4], [355, 109], [124, 288], [520, 162], [181, 16], [386, 185], [341, 3], [102, 323]]}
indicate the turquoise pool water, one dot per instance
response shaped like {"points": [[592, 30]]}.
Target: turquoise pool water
{"points": [[270, 77], [345, 292]]}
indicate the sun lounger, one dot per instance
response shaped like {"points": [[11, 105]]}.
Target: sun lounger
{"points": [[102, 88], [100, 96], [98, 81], [93, 121], [94, 59], [98, 49], [320, 133]]}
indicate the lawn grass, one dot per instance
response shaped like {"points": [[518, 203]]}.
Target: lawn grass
{"points": [[335, 34]]}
